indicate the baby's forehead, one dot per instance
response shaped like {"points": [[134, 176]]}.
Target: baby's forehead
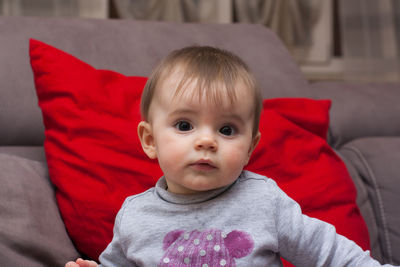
{"points": [[210, 96], [180, 86], [206, 91], [191, 99]]}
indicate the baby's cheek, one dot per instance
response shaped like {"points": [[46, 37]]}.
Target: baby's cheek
{"points": [[235, 156], [170, 153]]}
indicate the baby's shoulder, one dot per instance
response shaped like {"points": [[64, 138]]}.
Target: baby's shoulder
{"points": [[137, 201], [256, 181], [257, 185], [256, 192]]}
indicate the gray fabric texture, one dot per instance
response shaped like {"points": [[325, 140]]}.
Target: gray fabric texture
{"points": [[360, 109], [365, 205], [29, 152], [250, 223], [31, 230], [377, 161], [131, 48]]}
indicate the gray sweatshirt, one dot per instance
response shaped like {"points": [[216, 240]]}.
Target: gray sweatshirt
{"points": [[249, 223]]}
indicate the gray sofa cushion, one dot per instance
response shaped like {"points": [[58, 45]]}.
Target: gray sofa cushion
{"points": [[377, 161], [360, 109], [128, 47], [31, 230], [29, 152], [365, 205]]}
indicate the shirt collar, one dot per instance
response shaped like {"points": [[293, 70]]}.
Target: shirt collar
{"points": [[161, 191]]}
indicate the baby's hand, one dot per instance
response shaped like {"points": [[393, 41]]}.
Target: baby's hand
{"points": [[81, 263]]}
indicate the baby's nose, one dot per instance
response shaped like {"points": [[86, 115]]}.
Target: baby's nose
{"points": [[206, 142]]}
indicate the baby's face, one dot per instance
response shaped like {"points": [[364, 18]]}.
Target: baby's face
{"points": [[201, 145]]}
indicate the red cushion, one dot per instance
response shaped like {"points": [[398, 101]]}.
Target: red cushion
{"points": [[293, 150], [95, 158], [93, 152]]}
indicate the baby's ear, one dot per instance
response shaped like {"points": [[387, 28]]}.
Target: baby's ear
{"points": [[146, 137]]}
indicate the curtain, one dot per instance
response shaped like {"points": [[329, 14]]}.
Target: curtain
{"points": [[370, 39], [63, 8], [292, 20], [209, 11]]}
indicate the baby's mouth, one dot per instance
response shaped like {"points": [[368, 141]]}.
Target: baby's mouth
{"points": [[203, 165]]}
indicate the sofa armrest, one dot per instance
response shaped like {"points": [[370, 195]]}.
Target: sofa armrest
{"points": [[375, 161], [31, 230]]}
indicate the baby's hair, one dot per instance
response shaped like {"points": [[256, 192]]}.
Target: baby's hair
{"points": [[214, 72]]}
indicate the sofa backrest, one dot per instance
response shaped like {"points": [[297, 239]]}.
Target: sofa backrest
{"points": [[131, 48], [360, 110]]}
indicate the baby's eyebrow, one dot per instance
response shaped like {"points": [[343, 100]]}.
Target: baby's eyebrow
{"points": [[228, 116], [234, 117]]}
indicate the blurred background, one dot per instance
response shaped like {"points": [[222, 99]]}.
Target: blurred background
{"points": [[329, 39]]}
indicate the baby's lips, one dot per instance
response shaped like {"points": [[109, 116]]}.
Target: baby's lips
{"points": [[205, 161], [204, 165]]}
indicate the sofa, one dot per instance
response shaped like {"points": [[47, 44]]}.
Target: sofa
{"points": [[364, 128]]}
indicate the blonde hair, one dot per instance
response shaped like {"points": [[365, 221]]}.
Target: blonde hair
{"points": [[209, 67]]}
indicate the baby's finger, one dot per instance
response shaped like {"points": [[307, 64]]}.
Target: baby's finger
{"points": [[86, 263], [71, 264]]}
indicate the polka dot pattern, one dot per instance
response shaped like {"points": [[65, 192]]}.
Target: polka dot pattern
{"points": [[204, 248]]}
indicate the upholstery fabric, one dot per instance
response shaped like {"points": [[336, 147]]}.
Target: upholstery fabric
{"points": [[377, 160], [365, 205], [29, 152], [360, 110], [31, 228]]}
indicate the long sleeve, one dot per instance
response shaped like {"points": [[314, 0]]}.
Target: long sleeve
{"points": [[114, 255], [306, 241]]}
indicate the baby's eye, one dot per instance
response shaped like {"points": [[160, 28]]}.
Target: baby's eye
{"points": [[227, 130], [183, 126]]}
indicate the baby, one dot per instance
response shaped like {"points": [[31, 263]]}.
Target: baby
{"points": [[201, 110]]}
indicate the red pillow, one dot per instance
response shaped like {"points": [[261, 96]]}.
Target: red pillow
{"points": [[95, 158], [293, 150]]}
